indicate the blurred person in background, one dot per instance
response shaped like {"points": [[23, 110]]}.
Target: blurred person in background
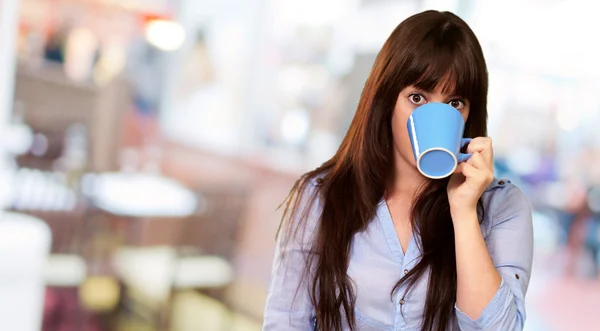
{"points": [[577, 216], [368, 243], [592, 239], [201, 97], [572, 215], [54, 49], [146, 69], [585, 238]]}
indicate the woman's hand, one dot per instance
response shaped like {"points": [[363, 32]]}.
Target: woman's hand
{"points": [[471, 178]]}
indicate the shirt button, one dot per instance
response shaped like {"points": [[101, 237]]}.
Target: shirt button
{"points": [[402, 301], [405, 271]]}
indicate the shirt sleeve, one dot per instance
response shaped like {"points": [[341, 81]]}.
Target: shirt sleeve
{"points": [[288, 305], [510, 244]]}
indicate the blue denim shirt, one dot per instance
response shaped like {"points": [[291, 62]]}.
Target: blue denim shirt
{"points": [[377, 262]]}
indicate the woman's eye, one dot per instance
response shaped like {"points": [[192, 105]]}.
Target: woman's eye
{"points": [[417, 99], [456, 103]]}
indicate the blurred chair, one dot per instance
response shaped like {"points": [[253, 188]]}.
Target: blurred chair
{"points": [[24, 247], [147, 273], [202, 272], [195, 311], [146, 213], [208, 245], [214, 228], [65, 270]]}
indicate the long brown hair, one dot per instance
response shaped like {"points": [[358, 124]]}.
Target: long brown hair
{"points": [[424, 50]]}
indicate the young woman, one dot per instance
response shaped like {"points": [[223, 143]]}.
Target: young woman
{"points": [[368, 243]]}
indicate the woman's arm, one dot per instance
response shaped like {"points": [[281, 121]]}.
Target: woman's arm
{"points": [[288, 305], [493, 274]]}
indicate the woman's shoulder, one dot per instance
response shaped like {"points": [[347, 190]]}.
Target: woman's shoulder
{"points": [[503, 200], [308, 191], [304, 208], [500, 184]]}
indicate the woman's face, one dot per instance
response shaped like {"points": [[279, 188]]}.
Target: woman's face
{"points": [[409, 99]]}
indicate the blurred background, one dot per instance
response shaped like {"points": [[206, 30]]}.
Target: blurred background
{"points": [[145, 146]]}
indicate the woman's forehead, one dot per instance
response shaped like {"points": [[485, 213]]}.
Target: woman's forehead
{"points": [[446, 85]]}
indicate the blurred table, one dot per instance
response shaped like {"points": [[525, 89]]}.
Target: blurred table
{"points": [[151, 212], [142, 195], [149, 208]]}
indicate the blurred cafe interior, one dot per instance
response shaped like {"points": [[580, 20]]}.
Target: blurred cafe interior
{"points": [[145, 146]]}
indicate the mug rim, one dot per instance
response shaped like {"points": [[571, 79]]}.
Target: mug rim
{"points": [[436, 149]]}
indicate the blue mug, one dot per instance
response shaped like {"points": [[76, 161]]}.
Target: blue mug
{"points": [[436, 135]]}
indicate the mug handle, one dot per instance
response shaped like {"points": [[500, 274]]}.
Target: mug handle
{"points": [[462, 157]]}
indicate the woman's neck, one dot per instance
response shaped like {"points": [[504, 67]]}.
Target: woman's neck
{"points": [[405, 181]]}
